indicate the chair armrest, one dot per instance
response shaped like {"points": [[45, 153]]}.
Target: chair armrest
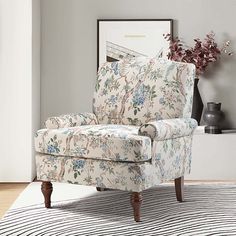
{"points": [[71, 120], [168, 129]]}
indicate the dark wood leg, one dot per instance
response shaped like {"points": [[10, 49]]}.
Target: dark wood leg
{"points": [[179, 188], [136, 202], [101, 189], [46, 189]]}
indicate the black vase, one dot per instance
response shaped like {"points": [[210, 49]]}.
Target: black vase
{"points": [[213, 116], [197, 103]]}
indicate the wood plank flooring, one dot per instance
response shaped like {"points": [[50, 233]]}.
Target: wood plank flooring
{"points": [[8, 194]]}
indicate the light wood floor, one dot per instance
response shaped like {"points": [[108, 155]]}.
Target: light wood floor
{"points": [[10, 191], [8, 194]]}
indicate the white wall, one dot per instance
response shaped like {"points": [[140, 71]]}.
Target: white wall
{"points": [[19, 97], [36, 35], [69, 40]]}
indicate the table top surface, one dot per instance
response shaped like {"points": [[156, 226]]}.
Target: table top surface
{"points": [[201, 130]]}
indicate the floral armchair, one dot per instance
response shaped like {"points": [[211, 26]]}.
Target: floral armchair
{"points": [[138, 136]]}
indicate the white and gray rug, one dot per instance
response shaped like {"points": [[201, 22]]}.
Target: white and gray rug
{"points": [[81, 211]]}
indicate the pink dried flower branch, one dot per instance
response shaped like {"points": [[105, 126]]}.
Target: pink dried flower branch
{"points": [[201, 54]]}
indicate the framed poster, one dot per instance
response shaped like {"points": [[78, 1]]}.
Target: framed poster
{"points": [[117, 39]]}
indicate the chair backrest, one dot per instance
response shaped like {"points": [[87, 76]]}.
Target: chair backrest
{"points": [[136, 91]]}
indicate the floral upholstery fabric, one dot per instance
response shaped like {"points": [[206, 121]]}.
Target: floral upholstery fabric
{"points": [[71, 120], [106, 142], [167, 129], [134, 92], [171, 160]]}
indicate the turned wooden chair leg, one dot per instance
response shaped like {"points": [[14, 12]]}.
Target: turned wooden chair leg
{"points": [[46, 189], [136, 202], [179, 188], [101, 189]]}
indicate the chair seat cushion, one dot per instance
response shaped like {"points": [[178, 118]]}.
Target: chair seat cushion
{"points": [[105, 142]]}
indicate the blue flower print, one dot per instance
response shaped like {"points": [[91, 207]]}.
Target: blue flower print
{"points": [[112, 100], [162, 101], [158, 157], [78, 164], [51, 149], [102, 165], [114, 66], [139, 96]]}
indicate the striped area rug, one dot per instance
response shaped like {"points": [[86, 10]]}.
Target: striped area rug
{"points": [[207, 210]]}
